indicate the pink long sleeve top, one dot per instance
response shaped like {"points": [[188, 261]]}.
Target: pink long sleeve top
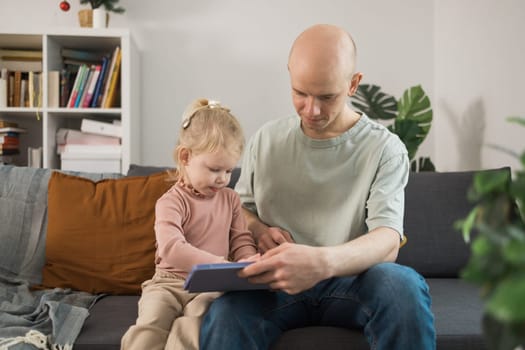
{"points": [[191, 229]]}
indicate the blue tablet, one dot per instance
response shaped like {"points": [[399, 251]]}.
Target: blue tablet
{"points": [[219, 278]]}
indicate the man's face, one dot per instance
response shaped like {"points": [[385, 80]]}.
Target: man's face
{"points": [[319, 97]]}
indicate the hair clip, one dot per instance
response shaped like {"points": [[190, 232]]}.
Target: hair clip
{"points": [[214, 104]]}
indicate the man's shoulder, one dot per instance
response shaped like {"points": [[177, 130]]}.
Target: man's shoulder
{"points": [[274, 130], [279, 124], [382, 135]]}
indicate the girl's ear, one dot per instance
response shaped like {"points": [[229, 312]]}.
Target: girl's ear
{"points": [[184, 156]]}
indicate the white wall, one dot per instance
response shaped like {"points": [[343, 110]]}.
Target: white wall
{"points": [[236, 51], [479, 82]]}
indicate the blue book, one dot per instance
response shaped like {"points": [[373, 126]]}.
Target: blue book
{"points": [[98, 87], [220, 277], [82, 83]]}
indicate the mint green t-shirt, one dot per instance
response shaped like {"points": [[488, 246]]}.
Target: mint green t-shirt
{"points": [[325, 192]]}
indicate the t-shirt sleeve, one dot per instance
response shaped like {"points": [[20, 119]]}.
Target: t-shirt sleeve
{"points": [[386, 201], [245, 185]]}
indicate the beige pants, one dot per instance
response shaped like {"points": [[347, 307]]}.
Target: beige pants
{"points": [[168, 316]]}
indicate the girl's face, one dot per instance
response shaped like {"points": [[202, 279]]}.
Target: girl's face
{"points": [[208, 173]]}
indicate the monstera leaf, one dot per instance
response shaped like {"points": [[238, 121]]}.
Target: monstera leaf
{"points": [[370, 100], [412, 117], [413, 121]]}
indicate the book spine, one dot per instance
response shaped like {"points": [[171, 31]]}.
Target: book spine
{"points": [[76, 85], [91, 88], [53, 88], [109, 75], [17, 88], [82, 88], [98, 87], [112, 91]]}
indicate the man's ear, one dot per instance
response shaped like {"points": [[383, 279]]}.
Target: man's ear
{"points": [[354, 83]]}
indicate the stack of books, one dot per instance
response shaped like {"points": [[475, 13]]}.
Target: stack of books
{"points": [[95, 147], [89, 79], [20, 78], [9, 138]]}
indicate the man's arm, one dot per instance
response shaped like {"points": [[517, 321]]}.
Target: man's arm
{"points": [[294, 268], [265, 237]]}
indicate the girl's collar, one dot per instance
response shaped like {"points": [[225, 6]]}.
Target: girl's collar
{"points": [[190, 188]]}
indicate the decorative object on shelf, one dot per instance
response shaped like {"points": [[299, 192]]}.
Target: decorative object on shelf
{"points": [[98, 15], [65, 6], [412, 116], [497, 261]]}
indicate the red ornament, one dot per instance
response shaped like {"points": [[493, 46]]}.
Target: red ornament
{"points": [[64, 6]]}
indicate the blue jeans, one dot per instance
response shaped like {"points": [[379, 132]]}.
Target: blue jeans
{"points": [[389, 302]]}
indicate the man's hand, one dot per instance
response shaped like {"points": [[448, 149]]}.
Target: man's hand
{"points": [[290, 267], [271, 238]]}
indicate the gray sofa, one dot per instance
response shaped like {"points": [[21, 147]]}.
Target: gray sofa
{"points": [[435, 249]]}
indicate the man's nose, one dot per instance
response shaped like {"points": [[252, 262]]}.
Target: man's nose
{"points": [[311, 106]]}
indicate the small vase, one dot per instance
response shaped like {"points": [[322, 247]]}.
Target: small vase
{"points": [[100, 18], [85, 18]]}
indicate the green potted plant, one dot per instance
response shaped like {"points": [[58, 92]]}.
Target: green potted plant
{"points": [[497, 261], [411, 116], [98, 15], [109, 5]]}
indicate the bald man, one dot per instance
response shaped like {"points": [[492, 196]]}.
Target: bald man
{"points": [[323, 194]]}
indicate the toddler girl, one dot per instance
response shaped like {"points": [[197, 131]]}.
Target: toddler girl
{"points": [[197, 221]]}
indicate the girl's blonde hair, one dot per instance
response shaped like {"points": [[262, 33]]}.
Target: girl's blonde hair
{"points": [[207, 127]]}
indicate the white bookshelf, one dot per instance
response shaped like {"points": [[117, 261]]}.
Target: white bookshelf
{"points": [[42, 123]]}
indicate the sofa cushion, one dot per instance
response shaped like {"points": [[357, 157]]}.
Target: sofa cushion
{"points": [[100, 236], [456, 305], [433, 202]]}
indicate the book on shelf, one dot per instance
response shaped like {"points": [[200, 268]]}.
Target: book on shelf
{"points": [[12, 129], [9, 152], [101, 128], [67, 77], [34, 157], [7, 124], [34, 89], [90, 90], [82, 70], [53, 88], [80, 55], [14, 54], [112, 74], [82, 86], [100, 82], [23, 60], [9, 139], [17, 88], [73, 136], [24, 101], [3, 87]]}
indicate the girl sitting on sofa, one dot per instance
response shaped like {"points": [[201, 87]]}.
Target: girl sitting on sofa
{"points": [[197, 221]]}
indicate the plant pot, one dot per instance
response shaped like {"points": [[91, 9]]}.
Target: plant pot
{"points": [[503, 336], [100, 18], [85, 18]]}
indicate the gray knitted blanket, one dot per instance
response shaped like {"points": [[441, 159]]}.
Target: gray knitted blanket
{"points": [[48, 319]]}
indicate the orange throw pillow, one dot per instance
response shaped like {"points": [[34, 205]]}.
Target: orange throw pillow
{"points": [[100, 235]]}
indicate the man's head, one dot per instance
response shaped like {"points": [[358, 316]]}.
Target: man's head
{"points": [[321, 66]]}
